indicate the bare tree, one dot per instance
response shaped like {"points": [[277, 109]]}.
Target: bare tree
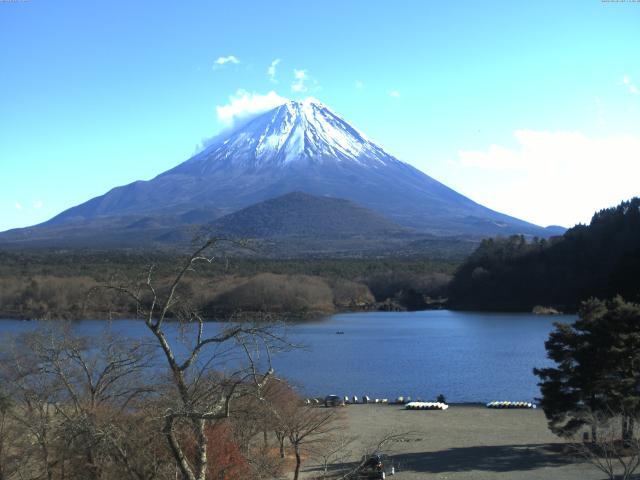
{"points": [[93, 407], [614, 448], [278, 400], [206, 374], [4, 408], [9, 458], [33, 396], [75, 396], [335, 449], [306, 426]]}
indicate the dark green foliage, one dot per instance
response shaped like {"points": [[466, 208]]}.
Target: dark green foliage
{"points": [[599, 260], [597, 366]]}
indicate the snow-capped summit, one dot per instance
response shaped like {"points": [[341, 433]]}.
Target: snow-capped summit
{"points": [[298, 131]]}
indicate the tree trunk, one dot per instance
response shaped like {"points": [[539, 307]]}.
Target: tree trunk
{"points": [[92, 468], [181, 460], [628, 425], [281, 439], [201, 460], [298, 462]]}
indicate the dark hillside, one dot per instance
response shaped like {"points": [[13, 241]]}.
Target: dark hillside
{"points": [[598, 260], [301, 214]]}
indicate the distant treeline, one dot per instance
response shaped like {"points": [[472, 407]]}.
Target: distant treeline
{"points": [[599, 260], [56, 284]]}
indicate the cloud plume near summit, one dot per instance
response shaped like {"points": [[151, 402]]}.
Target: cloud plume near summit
{"points": [[244, 105]]}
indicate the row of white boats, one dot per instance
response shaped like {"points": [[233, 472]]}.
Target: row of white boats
{"points": [[511, 405], [426, 406], [335, 400]]}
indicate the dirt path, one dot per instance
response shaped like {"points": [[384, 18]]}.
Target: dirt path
{"points": [[467, 442]]}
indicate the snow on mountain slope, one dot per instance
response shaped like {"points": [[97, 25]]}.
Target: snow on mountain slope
{"points": [[306, 131]]}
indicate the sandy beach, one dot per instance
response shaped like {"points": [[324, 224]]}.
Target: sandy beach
{"points": [[465, 442]]}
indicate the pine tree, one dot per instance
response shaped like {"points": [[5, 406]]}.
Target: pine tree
{"points": [[597, 368]]}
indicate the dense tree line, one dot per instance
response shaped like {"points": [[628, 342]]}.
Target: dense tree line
{"points": [[105, 265], [601, 259], [54, 284], [52, 297]]}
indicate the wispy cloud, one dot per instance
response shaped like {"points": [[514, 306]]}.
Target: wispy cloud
{"points": [[18, 206], [244, 104], [359, 84], [222, 61], [38, 204], [271, 71], [394, 94], [627, 82], [303, 82], [298, 85], [561, 172]]}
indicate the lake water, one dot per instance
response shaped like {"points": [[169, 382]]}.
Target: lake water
{"points": [[468, 357]]}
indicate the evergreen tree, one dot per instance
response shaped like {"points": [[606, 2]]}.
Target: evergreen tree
{"points": [[598, 260], [597, 368]]}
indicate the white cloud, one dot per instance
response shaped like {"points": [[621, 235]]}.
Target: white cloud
{"points": [[243, 105], [38, 204], [221, 61], [300, 77], [626, 81], [271, 71], [359, 84], [552, 177], [394, 94], [18, 206], [303, 82]]}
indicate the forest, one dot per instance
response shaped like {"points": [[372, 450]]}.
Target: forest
{"points": [[601, 260], [55, 285]]}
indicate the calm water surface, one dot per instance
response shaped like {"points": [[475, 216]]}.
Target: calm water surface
{"points": [[468, 357]]}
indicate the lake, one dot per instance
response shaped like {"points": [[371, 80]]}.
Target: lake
{"points": [[466, 356]]}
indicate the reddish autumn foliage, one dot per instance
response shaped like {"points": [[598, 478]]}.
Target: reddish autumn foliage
{"points": [[225, 458]]}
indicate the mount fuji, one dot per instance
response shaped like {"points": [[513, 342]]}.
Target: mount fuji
{"points": [[295, 147]]}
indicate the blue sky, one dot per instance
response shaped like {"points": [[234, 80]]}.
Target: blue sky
{"points": [[531, 108]]}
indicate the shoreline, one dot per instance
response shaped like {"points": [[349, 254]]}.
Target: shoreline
{"points": [[295, 317]]}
